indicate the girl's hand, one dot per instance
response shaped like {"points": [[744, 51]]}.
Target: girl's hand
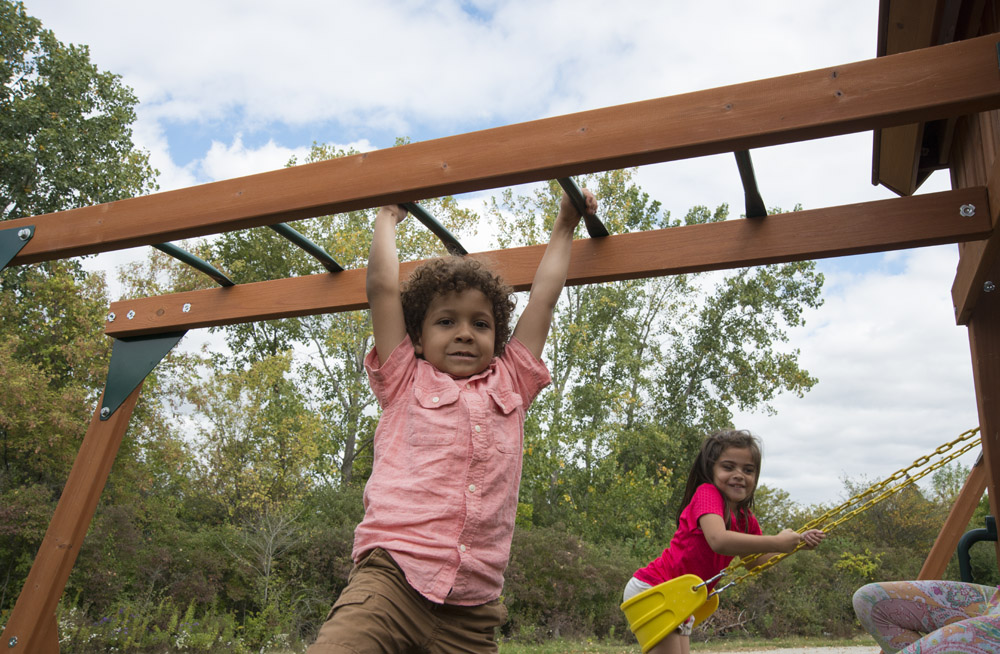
{"points": [[788, 540], [812, 538]]}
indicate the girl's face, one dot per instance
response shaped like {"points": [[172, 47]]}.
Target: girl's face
{"points": [[735, 474]]}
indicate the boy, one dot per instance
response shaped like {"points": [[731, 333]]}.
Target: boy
{"points": [[440, 503]]}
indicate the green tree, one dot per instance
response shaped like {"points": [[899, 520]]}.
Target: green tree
{"points": [[65, 126], [642, 368]]}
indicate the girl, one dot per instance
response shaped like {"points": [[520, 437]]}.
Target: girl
{"points": [[716, 524]]}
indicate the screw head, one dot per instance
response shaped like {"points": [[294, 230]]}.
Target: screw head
{"points": [[989, 287], [105, 412], [967, 210], [24, 235], [112, 316], [131, 315], [186, 308]]}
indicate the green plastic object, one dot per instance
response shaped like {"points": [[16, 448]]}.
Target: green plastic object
{"points": [[132, 358]]}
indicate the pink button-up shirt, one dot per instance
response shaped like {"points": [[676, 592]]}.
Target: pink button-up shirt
{"points": [[442, 495]]}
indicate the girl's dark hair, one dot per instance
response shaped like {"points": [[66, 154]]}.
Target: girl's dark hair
{"points": [[457, 274], [711, 449]]}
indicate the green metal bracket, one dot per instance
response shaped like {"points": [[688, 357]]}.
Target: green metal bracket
{"points": [[450, 242], [11, 242], [595, 227], [133, 358]]}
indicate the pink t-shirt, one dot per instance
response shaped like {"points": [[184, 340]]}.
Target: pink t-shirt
{"points": [[689, 552], [442, 495]]}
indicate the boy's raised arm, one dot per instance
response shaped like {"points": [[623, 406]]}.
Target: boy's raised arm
{"points": [[533, 327], [382, 283]]}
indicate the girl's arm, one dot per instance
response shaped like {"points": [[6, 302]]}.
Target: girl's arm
{"points": [[533, 326], [382, 283], [733, 543]]}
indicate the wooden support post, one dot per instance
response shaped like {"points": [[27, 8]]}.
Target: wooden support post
{"points": [[958, 519], [984, 341], [32, 625]]}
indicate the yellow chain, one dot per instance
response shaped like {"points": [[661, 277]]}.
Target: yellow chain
{"points": [[869, 492]]}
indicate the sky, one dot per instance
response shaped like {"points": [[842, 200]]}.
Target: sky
{"points": [[234, 87]]}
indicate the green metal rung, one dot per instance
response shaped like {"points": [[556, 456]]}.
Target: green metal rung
{"points": [[195, 262], [595, 227], [754, 202], [311, 248], [11, 242], [132, 359], [450, 242]]}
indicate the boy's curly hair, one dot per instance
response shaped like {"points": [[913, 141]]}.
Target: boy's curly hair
{"points": [[457, 274]]}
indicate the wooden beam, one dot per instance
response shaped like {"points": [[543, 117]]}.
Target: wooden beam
{"points": [[953, 79], [32, 625], [977, 257], [954, 526], [853, 229], [984, 342]]}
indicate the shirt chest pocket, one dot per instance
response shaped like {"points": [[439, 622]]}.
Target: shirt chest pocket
{"points": [[508, 430], [433, 419]]}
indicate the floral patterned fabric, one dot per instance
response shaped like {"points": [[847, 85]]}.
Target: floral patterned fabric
{"points": [[931, 617]]}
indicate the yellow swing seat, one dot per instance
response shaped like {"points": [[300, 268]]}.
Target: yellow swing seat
{"points": [[654, 613]]}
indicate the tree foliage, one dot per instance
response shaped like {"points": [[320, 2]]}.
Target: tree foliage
{"points": [[65, 126]]}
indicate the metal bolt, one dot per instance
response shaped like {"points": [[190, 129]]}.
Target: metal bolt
{"points": [[967, 210], [12, 642], [989, 287], [24, 234], [105, 412], [186, 308], [131, 315], [112, 316]]}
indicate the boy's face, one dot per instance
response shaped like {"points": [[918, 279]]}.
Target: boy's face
{"points": [[457, 335]]}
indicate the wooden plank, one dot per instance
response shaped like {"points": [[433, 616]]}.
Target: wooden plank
{"points": [[32, 621], [984, 342], [955, 524], [897, 223], [953, 79], [908, 25], [976, 258]]}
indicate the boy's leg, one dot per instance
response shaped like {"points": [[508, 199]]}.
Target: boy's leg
{"points": [[899, 613], [465, 628], [377, 612]]}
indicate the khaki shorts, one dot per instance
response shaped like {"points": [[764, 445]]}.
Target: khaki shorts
{"points": [[380, 612]]}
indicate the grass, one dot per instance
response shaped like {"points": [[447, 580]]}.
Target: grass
{"points": [[728, 645]]}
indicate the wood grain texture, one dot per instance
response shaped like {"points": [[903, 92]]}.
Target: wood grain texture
{"points": [[891, 224], [954, 79]]}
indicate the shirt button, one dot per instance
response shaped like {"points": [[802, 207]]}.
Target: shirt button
{"points": [[472, 488], [461, 548], [468, 385], [435, 398], [478, 429]]}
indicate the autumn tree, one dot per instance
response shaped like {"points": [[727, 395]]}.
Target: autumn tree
{"points": [[642, 368]]}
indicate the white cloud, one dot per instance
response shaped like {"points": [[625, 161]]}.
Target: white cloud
{"points": [[894, 371]]}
